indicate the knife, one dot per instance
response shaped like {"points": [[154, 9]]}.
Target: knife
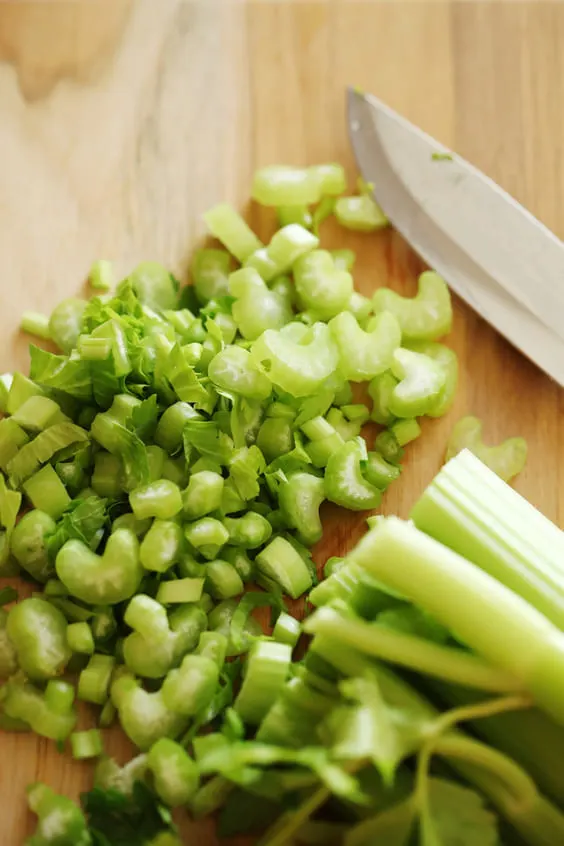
{"points": [[491, 251]]}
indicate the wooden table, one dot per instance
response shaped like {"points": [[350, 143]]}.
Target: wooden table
{"points": [[121, 122]]}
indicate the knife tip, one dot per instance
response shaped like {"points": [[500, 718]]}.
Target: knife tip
{"points": [[355, 95]]}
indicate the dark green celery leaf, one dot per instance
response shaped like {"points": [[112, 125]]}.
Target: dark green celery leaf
{"points": [[82, 520], [187, 299], [366, 728], [206, 437], [118, 820], [243, 813], [392, 827], [453, 815]]}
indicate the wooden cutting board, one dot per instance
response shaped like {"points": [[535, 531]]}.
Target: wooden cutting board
{"points": [[120, 123]]}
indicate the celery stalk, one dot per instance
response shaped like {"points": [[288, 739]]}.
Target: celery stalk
{"points": [[416, 653], [484, 614], [471, 510]]}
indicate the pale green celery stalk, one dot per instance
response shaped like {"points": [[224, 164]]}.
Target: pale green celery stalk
{"points": [[379, 641], [481, 612], [471, 510], [364, 595]]}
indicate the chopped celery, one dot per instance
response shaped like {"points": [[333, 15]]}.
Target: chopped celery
{"points": [[300, 496], [421, 380], [65, 323], [360, 306], [364, 355], [294, 214], [332, 178], [346, 427], [388, 446], [448, 360], [12, 438], [46, 491], [232, 370], [344, 483], [320, 285], [5, 384], [275, 437], [362, 214], [506, 460], [282, 185], [153, 285], [86, 744], [286, 630], [222, 580], [36, 324], [21, 389], [343, 259], [94, 680], [379, 472], [210, 271], [267, 671], [101, 276], [380, 390], [180, 591], [285, 248], [425, 317], [405, 431], [256, 307], [283, 565], [298, 361], [229, 227], [38, 451]]}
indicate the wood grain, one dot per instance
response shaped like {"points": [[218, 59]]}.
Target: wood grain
{"points": [[122, 122]]}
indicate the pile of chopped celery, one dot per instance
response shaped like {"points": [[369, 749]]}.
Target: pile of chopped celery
{"points": [[162, 477]]}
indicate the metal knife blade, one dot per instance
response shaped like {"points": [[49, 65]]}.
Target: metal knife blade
{"points": [[499, 258]]}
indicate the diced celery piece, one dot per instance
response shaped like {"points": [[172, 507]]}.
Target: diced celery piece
{"points": [[12, 437], [37, 413], [46, 492], [21, 390]]}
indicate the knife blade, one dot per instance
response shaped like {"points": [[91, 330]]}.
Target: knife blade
{"points": [[492, 252]]}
